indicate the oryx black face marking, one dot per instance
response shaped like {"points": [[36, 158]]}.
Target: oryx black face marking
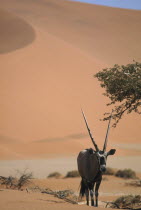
{"points": [[91, 165], [102, 160]]}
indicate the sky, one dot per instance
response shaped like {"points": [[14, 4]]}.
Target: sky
{"points": [[128, 4]]}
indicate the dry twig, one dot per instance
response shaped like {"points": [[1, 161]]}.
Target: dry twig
{"points": [[66, 195]]}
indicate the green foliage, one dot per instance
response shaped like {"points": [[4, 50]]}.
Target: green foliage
{"points": [[74, 173], [123, 87], [126, 173], [54, 175]]}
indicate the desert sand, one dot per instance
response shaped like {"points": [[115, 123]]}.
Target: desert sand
{"points": [[47, 74], [33, 199], [49, 52]]}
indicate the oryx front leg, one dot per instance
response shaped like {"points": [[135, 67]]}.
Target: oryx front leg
{"points": [[96, 191]]}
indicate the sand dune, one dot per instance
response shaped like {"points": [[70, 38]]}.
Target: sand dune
{"points": [[111, 35], [7, 140], [44, 84], [15, 33]]}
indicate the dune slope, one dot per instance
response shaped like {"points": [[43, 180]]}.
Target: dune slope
{"points": [[111, 35], [15, 33], [44, 85]]}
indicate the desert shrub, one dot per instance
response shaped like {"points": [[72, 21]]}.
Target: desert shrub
{"points": [[13, 182], [126, 202], [109, 171], [73, 173], [126, 173], [2, 180], [54, 175], [24, 179], [9, 181]]}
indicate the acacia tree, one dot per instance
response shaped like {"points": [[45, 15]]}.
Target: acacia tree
{"points": [[123, 87]]}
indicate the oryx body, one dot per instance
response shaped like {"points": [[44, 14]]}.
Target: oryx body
{"points": [[85, 160], [91, 165]]}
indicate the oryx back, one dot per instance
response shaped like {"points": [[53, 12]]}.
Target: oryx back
{"points": [[88, 165]]}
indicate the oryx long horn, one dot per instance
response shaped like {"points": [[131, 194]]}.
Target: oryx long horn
{"points": [[107, 133], [95, 145]]}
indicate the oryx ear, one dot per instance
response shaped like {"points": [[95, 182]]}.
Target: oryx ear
{"points": [[111, 152]]}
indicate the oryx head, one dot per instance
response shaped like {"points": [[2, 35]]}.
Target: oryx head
{"points": [[102, 158], [101, 154]]}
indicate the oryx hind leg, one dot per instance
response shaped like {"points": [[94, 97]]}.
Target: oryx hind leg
{"points": [[87, 195], [92, 197], [84, 190]]}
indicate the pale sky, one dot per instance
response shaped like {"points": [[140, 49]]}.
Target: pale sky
{"points": [[129, 4]]}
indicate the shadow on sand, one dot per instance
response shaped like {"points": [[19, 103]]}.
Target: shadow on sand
{"points": [[15, 33]]}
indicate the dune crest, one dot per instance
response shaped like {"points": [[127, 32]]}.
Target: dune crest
{"points": [[44, 85], [15, 33]]}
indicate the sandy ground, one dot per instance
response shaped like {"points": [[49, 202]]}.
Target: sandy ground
{"points": [[47, 74], [41, 168], [13, 199], [21, 200], [49, 52]]}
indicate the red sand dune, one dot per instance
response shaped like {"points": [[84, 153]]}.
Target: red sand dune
{"points": [[44, 84], [15, 33]]}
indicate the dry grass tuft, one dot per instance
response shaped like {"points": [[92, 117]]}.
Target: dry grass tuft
{"points": [[67, 195], [72, 174], [24, 180], [9, 181], [16, 183], [126, 173], [55, 175], [126, 202]]}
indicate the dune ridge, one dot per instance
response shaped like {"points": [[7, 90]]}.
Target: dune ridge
{"points": [[15, 32], [45, 84], [111, 35]]}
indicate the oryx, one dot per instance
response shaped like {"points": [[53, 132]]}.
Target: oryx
{"points": [[91, 165]]}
